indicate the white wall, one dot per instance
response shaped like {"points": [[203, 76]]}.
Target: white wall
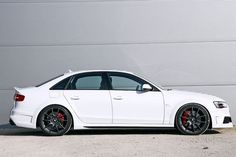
{"points": [[186, 44], [119, 21]]}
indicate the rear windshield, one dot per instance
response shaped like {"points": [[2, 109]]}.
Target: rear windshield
{"points": [[48, 81]]}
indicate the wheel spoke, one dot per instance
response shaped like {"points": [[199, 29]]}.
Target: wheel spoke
{"points": [[45, 120], [61, 126], [198, 127], [56, 126], [201, 116], [193, 127], [46, 114], [192, 113], [197, 111], [47, 126], [202, 122]]}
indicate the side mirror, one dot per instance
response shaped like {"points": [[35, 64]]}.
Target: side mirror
{"points": [[146, 87]]}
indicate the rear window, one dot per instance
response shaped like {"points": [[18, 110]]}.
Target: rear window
{"points": [[61, 85], [48, 81]]}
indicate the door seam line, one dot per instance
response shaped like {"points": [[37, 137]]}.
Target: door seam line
{"points": [[112, 121]]}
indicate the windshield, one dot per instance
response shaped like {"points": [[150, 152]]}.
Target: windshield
{"points": [[48, 81]]}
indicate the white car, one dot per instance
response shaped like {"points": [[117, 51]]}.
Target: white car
{"points": [[114, 99]]}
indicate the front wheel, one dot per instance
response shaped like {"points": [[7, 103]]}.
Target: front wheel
{"points": [[192, 119], [55, 120]]}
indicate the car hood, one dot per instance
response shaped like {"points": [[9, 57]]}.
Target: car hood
{"points": [[179, 94]]}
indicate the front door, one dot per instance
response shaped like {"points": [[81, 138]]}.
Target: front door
{"points": [[131, 105]]}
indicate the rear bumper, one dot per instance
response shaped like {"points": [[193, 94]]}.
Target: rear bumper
{"points": [[21, 120], [11, 122]]}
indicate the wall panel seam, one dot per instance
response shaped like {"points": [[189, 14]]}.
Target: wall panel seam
{"points": [[74, 1], [118, 43]]}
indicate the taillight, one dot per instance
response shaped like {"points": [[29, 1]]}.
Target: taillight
{"points": [[19, 97]]}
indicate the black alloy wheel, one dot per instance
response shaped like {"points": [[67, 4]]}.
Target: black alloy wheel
{"points": [[55, 120], [192, 119]]}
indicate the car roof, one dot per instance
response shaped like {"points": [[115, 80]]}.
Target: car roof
{"points": [[87, 71]]}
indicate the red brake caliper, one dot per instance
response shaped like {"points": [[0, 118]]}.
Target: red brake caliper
{"points": [[61, 117], [185, 117]]}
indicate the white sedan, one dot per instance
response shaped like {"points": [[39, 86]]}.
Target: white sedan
{"points": [[114, 99]]}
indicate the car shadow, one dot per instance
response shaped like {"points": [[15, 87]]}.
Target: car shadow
{"points": [[8, 130]]}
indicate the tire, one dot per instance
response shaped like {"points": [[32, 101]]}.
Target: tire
{"points": [[192, 119], [55, 120]]}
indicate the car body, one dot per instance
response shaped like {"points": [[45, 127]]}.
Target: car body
{"points": [[113, 99]]}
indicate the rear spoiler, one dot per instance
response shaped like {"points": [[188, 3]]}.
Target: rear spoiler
{"points": [[17, 89], [69, 71]]}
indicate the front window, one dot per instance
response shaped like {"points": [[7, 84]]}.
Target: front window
{"points": [[125, 83]]}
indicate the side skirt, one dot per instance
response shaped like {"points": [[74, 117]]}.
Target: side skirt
{"points": [[124, 127]]}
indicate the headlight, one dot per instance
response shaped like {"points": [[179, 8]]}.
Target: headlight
{"points": [[220, 104]]}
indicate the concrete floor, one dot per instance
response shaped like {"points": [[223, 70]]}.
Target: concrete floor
{"points": [[113, 143]]}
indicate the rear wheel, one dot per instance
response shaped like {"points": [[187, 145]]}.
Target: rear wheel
{"points": [[55, 120], [192, 119]]}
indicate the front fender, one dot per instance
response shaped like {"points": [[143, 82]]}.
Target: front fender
{"points": [[172, 109]]}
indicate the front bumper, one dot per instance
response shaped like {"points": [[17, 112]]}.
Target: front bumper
{"points": [[221, 119], [227, 120]]}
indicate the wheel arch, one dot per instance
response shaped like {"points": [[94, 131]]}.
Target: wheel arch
{"points": [[191, 103], [37, 120]]}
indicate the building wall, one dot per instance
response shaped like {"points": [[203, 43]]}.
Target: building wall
{"points": [[184, 44]]}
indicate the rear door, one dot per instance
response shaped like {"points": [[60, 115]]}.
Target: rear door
{"points": [[90, 98]]}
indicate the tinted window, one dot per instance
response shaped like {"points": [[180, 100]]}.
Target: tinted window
{"points": [[91, 82], [61, 85], [124, 83], [48, 81]]}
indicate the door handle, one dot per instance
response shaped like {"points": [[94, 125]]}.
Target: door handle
{"points": [[75, 98], [118, 98]]}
